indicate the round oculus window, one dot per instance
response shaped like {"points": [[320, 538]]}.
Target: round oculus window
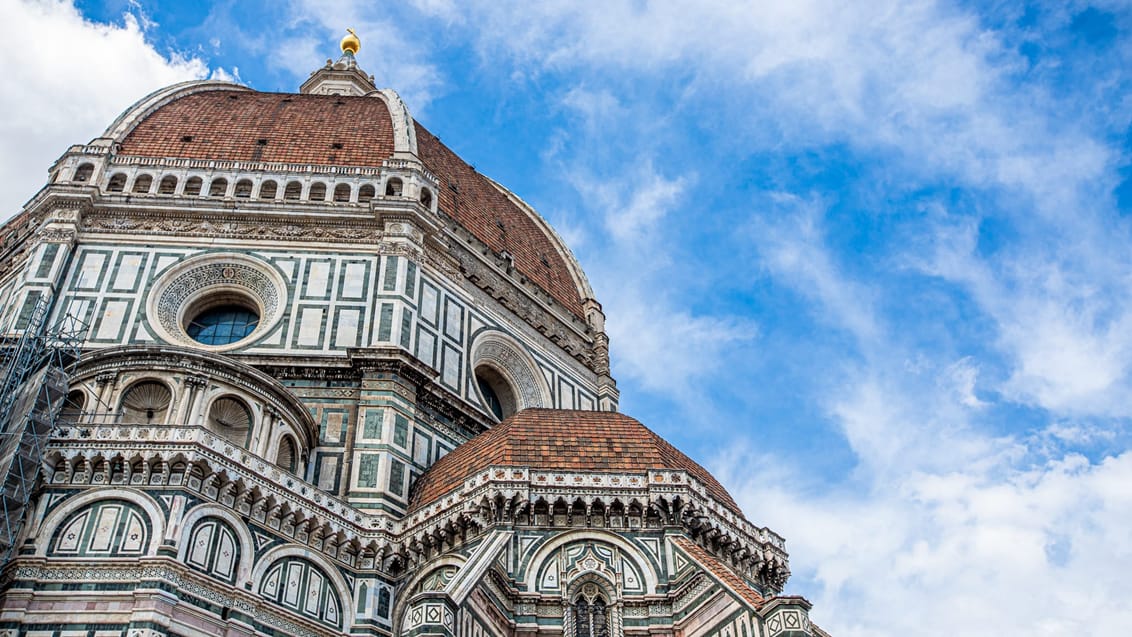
{"points": [[222, 325], [217, 302]]}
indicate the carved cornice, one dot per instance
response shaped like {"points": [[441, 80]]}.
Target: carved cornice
{"points": [[674, 497], [180, 224], [391, 360]]}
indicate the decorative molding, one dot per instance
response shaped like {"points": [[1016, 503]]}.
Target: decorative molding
{"points": [[138, 222]]}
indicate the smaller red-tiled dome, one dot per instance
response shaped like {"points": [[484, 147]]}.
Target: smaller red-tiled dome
{"points": [[554, 439]]}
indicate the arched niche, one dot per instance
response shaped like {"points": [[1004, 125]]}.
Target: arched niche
{"points": [[265, 569], [506, 378]]}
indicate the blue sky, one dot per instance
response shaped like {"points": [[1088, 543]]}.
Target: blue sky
{"points": [[867, 261]]}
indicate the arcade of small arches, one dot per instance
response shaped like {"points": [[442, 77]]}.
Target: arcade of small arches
{"points": [[328, 190], [761, 562], [211, 541], [592, 573], [161, 395]]}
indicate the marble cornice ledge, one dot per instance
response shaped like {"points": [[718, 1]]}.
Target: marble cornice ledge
{"points": [[228, 224], [161, 569], [698, 512], [215, 458]]}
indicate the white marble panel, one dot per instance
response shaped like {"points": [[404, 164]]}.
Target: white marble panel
{"points": [[318, 277], [353, 280], [310, 326], [128, 268], [113, 313], [90, 270], [347, 334]]}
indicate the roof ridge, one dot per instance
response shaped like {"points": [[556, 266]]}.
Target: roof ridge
{"points": [[726, 576]]}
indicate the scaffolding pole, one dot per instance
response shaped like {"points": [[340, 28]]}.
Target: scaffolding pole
{"points": [[35, 366]]}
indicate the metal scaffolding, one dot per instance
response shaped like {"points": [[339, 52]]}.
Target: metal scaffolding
{"points": [[34, 370]]}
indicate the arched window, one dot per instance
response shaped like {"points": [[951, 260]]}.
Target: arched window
{"points": [[317, 192], [426, 198], [83, 172], [293, 191], [213, 549], [109, 528], [363, 598], [393, 187], [244, 188], [304, 588], [590, 617], [287, 457], [268, 189], [168, 185], [73, 407], [342, 193], [222, 324], [142, 183], [218, 187], [193, 186], [498, 396], [117, 183], [230, 417], [146, 403], [366, 193]]}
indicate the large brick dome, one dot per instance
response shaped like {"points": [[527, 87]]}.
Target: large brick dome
{"points": [[218, 122]]}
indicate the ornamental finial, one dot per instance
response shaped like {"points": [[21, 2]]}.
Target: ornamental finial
{"points": [[350, 44]]}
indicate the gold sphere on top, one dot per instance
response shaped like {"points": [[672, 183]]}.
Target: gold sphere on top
{"points": [[351, 42]]}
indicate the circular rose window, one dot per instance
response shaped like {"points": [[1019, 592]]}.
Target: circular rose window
{"points": [[217, 301]]}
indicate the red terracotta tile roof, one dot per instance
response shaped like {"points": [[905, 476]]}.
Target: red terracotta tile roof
{"points": [[296, 129], [494, 219], [721, 572], [555, 439], [308, 129]]}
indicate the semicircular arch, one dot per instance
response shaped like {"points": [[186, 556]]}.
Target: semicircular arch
{"points": [[506, 357], [75, 503], [549, 548], [264, 563], [207, 510]]}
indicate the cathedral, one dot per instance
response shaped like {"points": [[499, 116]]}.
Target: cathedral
{"points": [[331, 380]]}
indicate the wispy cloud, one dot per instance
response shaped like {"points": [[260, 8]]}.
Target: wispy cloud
{"points": [[909, 202], [55, 96]]}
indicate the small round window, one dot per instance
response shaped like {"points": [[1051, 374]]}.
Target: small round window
{"points": [[222, 324]]}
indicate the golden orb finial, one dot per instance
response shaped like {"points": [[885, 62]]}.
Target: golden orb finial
{"points": [[351, 42]]}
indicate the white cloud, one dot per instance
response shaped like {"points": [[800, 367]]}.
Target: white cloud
{"points": [[667, 348], [65, 79], [962, 376], [661, 343], [792, 244], [1040, 551], [390, 52], [1062, 315], [941, 527], [634, 206]]}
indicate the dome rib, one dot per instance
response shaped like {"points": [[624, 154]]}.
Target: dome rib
{"points": [[486, 210], [555, 439]]}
